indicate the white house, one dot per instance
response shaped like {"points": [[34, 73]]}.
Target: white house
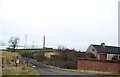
{"points": [[104, 52]]}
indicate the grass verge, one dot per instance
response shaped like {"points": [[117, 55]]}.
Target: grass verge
{"points": [[9, 67], [85, 71]]}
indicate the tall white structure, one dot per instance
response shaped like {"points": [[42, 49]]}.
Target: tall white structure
{"points": [[25, 46], [119, 27], [44, 43]]}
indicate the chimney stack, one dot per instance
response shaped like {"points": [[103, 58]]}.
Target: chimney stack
{"points": [[103, 44]]}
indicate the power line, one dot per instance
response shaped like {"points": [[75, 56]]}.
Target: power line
{"points": [[32, 44]]}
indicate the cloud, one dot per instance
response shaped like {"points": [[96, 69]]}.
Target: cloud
{"points": [[69, 22]]}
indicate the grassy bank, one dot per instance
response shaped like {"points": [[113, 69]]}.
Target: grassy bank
{"points": [[9, 67], [0, 63], [33, 50], [91, 72]]}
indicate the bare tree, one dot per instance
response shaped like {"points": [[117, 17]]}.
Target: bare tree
{"points": [[61, 47], [14, 42]]}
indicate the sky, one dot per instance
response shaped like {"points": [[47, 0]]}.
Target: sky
{"points": [[69, 23]]}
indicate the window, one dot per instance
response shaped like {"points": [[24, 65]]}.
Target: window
{"points": [[93, 49]]}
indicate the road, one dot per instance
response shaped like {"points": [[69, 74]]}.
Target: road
{"points": [[44, 70]]}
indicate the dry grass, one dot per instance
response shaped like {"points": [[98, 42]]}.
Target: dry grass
{"points": [[86, 71], [0, 63], [11, 69], [21, 70]]}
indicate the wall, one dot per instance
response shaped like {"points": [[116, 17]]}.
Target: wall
{"points": [[90, 50], [98, 66], [110, 56], [48, 54]]}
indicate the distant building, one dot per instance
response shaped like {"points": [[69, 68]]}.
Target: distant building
{"points": [[104, 52], [49, 54]]}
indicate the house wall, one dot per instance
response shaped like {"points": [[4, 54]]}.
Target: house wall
{"points": [[104, 56], [48, 54], [118, 56], [110, 56], [98, 66], [92, 50]]}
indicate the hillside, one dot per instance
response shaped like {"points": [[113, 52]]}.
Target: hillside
{"points": [[9, 67]]}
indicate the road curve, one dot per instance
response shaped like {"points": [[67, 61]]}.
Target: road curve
{"points": [[47, 72], [44, 70]]}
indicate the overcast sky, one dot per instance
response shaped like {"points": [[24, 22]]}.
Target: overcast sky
{"points": [[71, 23]]}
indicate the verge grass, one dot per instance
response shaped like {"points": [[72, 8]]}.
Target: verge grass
{"points": [[9, 67], [0, 63], [91, 72]]}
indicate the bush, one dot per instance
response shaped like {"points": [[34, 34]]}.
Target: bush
{"points": [[114, 58], [66, 59]]}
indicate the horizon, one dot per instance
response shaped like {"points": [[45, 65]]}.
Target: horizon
{"points": [[40, 47]]}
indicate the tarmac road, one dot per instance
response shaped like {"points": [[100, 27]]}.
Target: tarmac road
{"points": [[44, 70], [50, 72]]}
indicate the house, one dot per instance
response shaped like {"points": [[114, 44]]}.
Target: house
{"points": [[104, 52], [49, 54]]}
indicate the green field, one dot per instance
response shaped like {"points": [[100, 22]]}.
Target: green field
{"points": [[33, 50]]}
